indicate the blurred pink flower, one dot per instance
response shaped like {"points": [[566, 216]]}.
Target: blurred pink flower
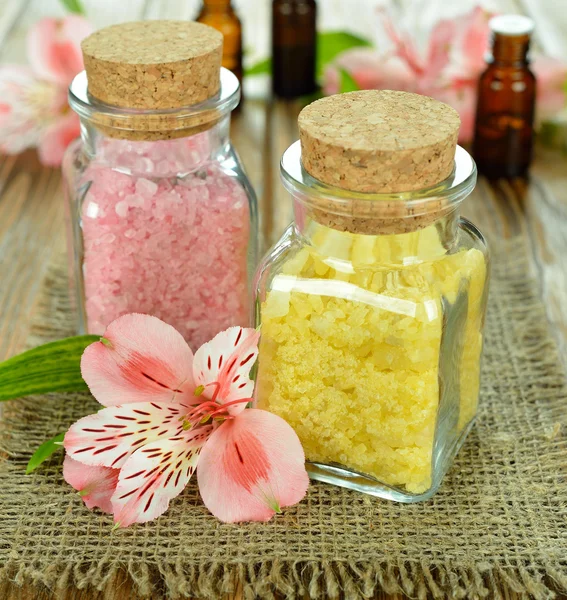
{"points": [[370, 71], [469, 46], [33, 100], [551, 77], [463, 100], [448, 69]]}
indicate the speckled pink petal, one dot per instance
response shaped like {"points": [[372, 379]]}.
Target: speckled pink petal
{"points": [[109, 437], [95, 484], [223, 365], [251, 467], [154, 475], [141, 359]]}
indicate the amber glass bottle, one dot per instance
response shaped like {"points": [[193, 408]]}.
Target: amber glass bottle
{"points": [[220, 14], [294, 42], [506, 100]]}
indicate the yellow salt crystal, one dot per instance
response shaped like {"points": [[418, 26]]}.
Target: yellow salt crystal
{"points": [[295, 265], [278, 306]]}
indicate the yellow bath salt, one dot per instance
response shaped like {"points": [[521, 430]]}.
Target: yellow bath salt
{"points": [[363, 349]]}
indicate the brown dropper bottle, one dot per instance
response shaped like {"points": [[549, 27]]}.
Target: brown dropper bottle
{"points": [[220, 14], [503, 138], [294, 42]]}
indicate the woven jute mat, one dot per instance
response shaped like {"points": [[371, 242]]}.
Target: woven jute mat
{"points": [[498, 524]]}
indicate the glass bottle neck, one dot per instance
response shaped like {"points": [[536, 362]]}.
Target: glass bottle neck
{"points": [[357, 250], [278, 3], [217, 6], [508, 49], [403, 227], [156, 157]]}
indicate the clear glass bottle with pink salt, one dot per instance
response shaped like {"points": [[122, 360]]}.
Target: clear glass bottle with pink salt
{"points": [[162, 218]]}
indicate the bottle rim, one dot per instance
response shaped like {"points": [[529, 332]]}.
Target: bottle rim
{"points": [[438, 199], [202, 115], [511, 25]]}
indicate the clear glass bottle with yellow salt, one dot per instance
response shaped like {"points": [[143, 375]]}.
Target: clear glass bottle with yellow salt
{"points": [[372, 303]]}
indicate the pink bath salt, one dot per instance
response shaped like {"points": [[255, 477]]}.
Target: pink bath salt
{"points": [[160, 158], [173, 248]]}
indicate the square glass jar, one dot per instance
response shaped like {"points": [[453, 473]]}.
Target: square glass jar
{"points": [[160, 222], [371, 308]]}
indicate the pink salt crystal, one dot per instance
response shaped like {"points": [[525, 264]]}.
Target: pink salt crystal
{"points": [[162, 158], [145, 188], [172, 247], [121, 208]]}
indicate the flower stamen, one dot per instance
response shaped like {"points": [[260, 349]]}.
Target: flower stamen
{"points": [[204, 412], [223, 407]]}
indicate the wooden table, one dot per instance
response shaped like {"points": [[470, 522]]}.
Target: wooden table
{"points": [[32, 235]]}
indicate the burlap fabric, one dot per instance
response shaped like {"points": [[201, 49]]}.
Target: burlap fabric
{"points": [[498, 524]]}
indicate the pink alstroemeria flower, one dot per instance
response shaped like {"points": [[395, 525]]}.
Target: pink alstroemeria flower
{"points": [[33, 100], [448, 69], [170, 413]]}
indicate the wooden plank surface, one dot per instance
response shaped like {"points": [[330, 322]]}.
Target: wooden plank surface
{"points": [[31, 228]]}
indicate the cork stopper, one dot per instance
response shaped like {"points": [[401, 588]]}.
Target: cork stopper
{"points": [[379, 141], [153, 64]]}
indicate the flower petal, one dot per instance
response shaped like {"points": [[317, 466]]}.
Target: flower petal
{"points": [[95, 484], [110, 436], [141, 359], [227, 360], [21, 123], [371, 70], [155, 474], [551, 75], [74, 29], [53, 47], [440, 42], [403, 44], [463, 100], [251, 466], [472, 41], [56, 138]]}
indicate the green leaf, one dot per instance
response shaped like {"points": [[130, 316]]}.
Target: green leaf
{"points": [[553, 134], [260, 68], [54, 367], [332, 43], [44, 452], [329, 45], [73, 6], [348, 84]]}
